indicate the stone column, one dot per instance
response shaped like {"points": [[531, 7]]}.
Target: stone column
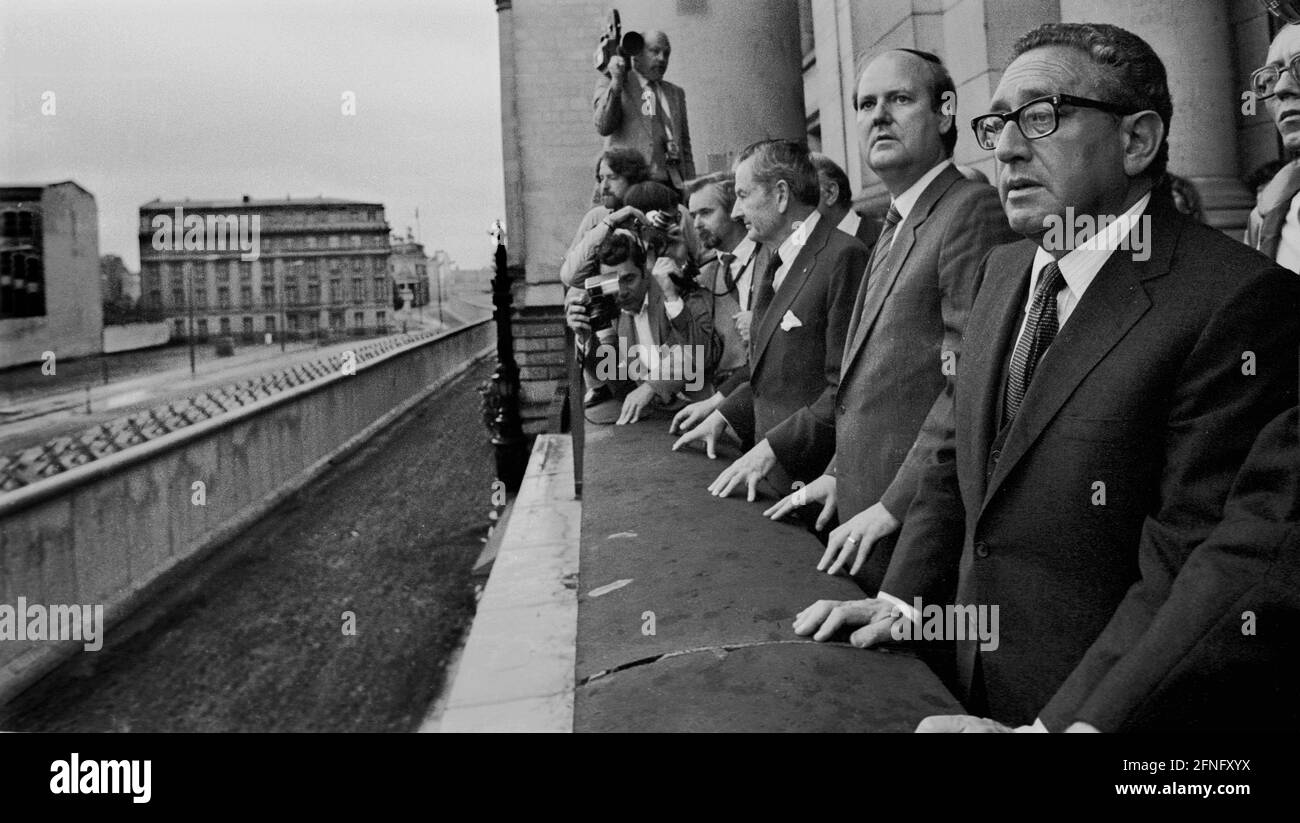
{"points": [[1194, 39]]}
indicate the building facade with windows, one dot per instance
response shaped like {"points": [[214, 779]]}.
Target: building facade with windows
{"points": [[49, 273], [319, 265], [409, 268]]}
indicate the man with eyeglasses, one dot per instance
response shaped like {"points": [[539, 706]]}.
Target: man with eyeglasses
{"points": [[1105, 399], [1274, 226]]}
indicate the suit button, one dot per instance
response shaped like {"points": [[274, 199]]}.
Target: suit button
{"points": [[981, 550], [841, 409], [994, 455]]}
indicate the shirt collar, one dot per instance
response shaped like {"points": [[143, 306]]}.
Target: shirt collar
{"points": [[907, 200], [1080, 265], [744, 250], [790, 248], [850, 223]]}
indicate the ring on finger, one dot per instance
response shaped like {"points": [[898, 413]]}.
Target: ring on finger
{"points": [[851, 540]]}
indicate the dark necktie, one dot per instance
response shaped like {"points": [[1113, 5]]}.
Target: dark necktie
{"points": [[764, 293], [725, 259], [886, 241], [1040, 331]]}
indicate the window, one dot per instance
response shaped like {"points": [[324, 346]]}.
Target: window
{"points": [[245, 297], [155, 299], [293, 322], [336, 320], [381, 318], [203, 329], [223, 297], [245, 271], [248, 326], [22, 282], [268, 323], [356, 264], [178, 328], [178, 298], [225, 325], [358, 289], [335, 241], [201, 298], [359, 319], [336, 290], [313, 293], [268, 295], [381, 288]]}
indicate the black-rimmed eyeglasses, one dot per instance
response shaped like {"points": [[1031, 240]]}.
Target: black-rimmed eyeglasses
{"points": [[1036, 119], [1263, 81]]}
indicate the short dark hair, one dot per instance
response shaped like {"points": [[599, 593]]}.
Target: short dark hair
{"points": [[941, 85], [648, 196], [836, 175], [619, 247], [627, 163], [776, 160], [1134, 78], [723, 181]]}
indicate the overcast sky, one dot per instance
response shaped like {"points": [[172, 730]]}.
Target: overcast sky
{"points": [[186, 98]]}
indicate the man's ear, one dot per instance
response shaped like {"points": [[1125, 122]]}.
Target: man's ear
{"points": [[782, 191], [1143, 134]]}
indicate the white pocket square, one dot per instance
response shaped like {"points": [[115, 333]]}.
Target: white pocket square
{"points": [[790, 321]]}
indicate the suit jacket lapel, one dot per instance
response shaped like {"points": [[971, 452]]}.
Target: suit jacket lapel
{"points": [[1113, 303], [874, 289], [803, 264]]}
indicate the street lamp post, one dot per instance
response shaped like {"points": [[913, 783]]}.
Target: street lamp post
{"points": [[189, 302], [501, 393]]}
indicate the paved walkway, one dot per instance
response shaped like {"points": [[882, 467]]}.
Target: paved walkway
{"points": [[390, 534]]}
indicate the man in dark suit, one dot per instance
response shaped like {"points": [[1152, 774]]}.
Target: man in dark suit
{"points": [[1108, 391], [1208, 644], [890, 413], [638, 109], [802, 302]]}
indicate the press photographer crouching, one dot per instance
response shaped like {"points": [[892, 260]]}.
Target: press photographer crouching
{"points": [[640, 348]]}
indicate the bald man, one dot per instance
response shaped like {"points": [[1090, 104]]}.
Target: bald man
{"points": [[635, 107]]}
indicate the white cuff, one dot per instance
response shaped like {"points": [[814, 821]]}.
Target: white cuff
{"points": [[908, 612]]}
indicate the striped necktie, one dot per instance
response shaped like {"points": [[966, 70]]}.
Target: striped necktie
{"points": [[1040, 331], [886, 241]]}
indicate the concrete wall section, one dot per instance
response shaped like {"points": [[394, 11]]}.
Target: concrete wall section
{"points": [[135, 336], [103, 533]]}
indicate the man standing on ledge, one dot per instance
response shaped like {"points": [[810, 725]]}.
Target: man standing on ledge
{"points": [[636, 108]]}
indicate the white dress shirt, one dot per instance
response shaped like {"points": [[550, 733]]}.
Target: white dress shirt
{"points": [[849, 225], [789, 250], [905, 201], [742, 270], [1288, 245]]}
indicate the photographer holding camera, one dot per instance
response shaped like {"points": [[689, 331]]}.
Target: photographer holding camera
{"points": [[618, 172], [635, 107], [635, 342]]}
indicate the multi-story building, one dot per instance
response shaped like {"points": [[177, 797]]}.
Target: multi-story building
{"points": [[409, 268], [49, 273], [249, 267]]}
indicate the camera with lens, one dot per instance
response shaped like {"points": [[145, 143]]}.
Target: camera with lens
{"points": [[602, 309], [617, 42]]}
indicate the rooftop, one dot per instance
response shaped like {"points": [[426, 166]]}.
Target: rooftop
{"points": [[247, 202]]}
